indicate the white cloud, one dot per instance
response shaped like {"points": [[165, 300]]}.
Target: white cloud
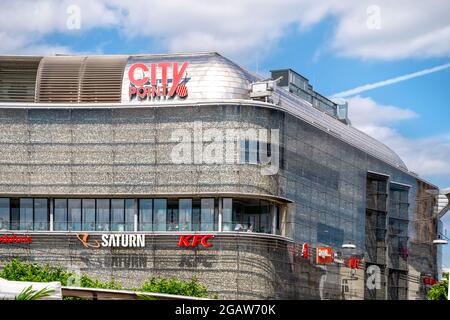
{"points": [[239, 28], [428, 156]]}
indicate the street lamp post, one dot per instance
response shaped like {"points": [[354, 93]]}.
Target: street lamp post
{"points": [[441, 239]]}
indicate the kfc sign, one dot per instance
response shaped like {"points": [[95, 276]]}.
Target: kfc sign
{"points": [[195, 240], [324, 255], [145, 84]]}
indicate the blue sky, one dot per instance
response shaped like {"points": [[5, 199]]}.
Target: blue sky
{"points": [[337, 45]]}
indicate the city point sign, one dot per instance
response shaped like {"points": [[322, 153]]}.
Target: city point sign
{"points": [[149, 86]]}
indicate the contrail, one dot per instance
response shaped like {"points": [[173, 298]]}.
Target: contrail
{"points": [[371, 86]]}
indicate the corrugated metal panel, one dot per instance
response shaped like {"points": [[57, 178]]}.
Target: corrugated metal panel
{"points": [[102, 79], [80, 79], [18, 78], [59, 79]]}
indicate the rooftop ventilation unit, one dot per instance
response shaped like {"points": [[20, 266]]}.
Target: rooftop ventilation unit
{"points": [[264, 90]]}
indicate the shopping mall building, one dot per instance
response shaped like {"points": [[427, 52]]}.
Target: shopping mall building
{"points": [[182, 165]]}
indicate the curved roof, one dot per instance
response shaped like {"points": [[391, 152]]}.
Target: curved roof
{"points": [[72, 80]]}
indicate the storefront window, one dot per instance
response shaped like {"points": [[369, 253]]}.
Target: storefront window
{"points": [[130, 211], [26, 214], [74, 214], [60, 215], [102, 215], [227, 214], [185, 214], [159, 218], [145, 214], [252, 215], [172, 215], [196, 215], [117, 215], [207, 215], [88, 214], [41, 214], [4, 213]]}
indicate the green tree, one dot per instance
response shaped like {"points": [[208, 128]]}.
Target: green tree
{"points": [[16, 270], [439, 291], [190, 288]]}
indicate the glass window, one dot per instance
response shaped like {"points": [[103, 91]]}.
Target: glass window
{"points": [[130, 211], [207, 215], [4, 213], [102, 215], [145, 214], [172, 215], [15, 213], [159, 218], [227, 214], [60, 215], [41, 214], [196, 215], [26, 214], [74, 214], [118, 214], [89, 214], [185, 214], [242, 151]]}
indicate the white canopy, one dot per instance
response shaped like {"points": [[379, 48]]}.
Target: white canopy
{"points": [[10, 289]]}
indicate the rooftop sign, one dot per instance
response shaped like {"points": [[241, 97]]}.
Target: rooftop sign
{"points": [[155, 81]]}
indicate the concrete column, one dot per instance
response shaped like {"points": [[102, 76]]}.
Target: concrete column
{"points": [[136, 215], [220, 220], [274, 218], [51, 227]]}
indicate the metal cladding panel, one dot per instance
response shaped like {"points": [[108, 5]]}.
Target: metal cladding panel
{"points": [[209, 77], [93, 79], [347, 133], [59, 79], [18, 78]]}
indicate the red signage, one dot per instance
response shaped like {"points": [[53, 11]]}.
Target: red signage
{"points": [[149, 86], [305, 253], [429, 281], [195, 240], [324, 255], [354, 263], [15, 239]]}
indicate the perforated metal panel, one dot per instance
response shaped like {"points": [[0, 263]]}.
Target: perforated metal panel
{"points": [[18, 78], [80, 79]]}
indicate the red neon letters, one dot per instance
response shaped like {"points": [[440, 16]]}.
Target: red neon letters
{"points": [[151, 87], [15, 239], [195, 240]]}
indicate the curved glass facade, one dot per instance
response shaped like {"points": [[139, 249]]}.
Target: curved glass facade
{"points": [[140, 214]]}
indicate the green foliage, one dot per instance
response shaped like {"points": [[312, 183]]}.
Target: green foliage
{"points": [[30, 294], [174, 286], [143, 296], [16, 270], [438, 291], [87, 282], [26, 271]]}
